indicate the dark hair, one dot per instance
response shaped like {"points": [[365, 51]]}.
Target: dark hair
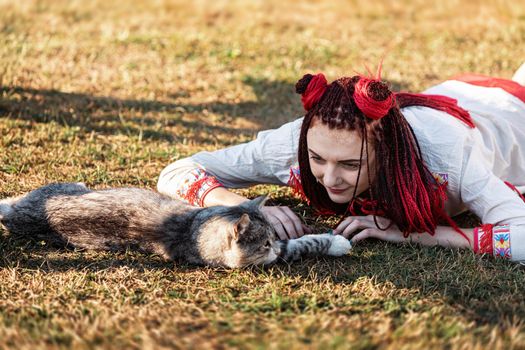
{"points": [[404, 189]]}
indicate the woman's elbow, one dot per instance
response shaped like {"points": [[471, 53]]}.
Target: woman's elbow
{"points": [[174, 175], [167, 181], [163, 182]]}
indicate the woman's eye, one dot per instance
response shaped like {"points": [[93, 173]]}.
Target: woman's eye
{"points": [[350, 166], [316, 159]]}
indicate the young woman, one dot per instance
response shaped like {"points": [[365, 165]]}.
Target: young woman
{"points": [[395, 166]]}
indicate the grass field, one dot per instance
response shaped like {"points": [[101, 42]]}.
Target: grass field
{"points": [[110, 92]]}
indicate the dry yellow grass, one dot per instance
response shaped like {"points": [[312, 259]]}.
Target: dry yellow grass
{"points": [[108, 93]]}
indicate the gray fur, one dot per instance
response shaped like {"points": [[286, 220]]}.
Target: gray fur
{"points": [[117, 219]]}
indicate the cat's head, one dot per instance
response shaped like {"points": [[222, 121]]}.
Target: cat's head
{"points": [[248, 237]]}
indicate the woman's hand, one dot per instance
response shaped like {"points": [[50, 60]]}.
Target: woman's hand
{"points": [[285, 222], [366, 228]]}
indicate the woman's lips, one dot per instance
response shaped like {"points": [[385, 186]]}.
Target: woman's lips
{"points": [[336, 190]]}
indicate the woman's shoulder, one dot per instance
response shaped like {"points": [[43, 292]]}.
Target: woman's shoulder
{"points": [[286, 132], [436, 130], [444, 143], [284, 139]]}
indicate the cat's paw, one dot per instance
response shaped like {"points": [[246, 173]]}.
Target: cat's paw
{"points": [[339, 246]]}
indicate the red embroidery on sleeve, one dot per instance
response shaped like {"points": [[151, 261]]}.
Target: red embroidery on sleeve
{"points": [[483, 239], [501, 235], [493, 240], [196, 186]]}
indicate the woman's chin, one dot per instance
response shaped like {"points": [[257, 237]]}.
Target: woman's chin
{"points": [[339, 198]]}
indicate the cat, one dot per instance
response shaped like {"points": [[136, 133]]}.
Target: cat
{"points": [[122, 218]]}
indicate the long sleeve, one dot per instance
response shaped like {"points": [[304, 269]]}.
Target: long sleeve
{"points": [[501, 210], [265, 160], [478, 163]]}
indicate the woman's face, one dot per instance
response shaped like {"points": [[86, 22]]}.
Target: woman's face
{"points": [[334, 160]]}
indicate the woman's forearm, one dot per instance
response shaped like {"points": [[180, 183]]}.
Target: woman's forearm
{"points": [[445, 236]]}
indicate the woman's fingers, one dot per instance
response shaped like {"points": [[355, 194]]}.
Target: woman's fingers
{"points": [[286, 223], [278, 227], [356, 224], [295, 221], [307, 229], [362, 235], [386, 232], [351, 224], [341, 227]]}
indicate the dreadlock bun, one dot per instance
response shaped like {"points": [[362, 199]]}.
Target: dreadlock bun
{"points": [[302, 84], [378, 90], [373, 97], [311, 87]]}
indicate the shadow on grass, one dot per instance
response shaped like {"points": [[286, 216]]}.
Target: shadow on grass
{"points": [[55, 257], [482, 290], [107, 115], [275, 104]]}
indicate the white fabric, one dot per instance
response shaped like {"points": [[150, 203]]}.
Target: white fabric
{"points": [[475, 161], [265, 160], [480, 159]]}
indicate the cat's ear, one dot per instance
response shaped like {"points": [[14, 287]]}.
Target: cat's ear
{"points": [[241, 226], [256, 203]]}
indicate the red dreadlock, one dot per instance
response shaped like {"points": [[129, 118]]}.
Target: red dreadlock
{"points": [[404, 189]]}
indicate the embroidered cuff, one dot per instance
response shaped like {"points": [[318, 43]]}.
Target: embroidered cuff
{"points": [[494, 240], [196, 185], [501, 239]]}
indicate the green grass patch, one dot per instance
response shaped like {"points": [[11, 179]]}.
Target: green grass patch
{"points": [[109, 94]]}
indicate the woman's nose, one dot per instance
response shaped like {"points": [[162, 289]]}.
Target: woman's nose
{"points": [[331, 177]]}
